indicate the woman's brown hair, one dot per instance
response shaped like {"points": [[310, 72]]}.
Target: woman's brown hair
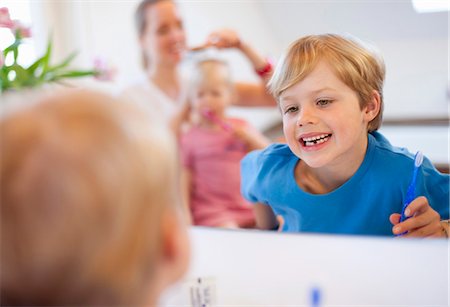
{"points": [[141, 22]]}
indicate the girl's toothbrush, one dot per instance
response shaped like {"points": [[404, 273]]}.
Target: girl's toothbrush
{"points": [[410, 194], [215, 119]]}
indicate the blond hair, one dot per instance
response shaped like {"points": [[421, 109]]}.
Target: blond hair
{"points": [[210, 69], [359, 67], [206, 68], [85, 180]]}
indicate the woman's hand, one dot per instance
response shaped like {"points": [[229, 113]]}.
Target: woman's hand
{"points": [[249, 94], [224, 38], [423, 221]]}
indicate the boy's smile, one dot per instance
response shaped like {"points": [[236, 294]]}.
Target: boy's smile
{"points": [[314, 141], [323, 122]]}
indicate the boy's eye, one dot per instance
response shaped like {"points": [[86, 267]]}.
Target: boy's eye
{"points": [[290, 110], [323, 102]]}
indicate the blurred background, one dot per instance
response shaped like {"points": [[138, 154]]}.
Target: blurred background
{"points": [[412, 37]]}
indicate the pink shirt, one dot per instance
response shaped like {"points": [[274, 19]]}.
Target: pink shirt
{"points": [[213, 157]]}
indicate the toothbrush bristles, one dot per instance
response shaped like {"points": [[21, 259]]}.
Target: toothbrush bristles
{"points": [[419, 159]]}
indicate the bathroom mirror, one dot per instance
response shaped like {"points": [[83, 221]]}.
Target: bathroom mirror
{"points": [[414, 45]]}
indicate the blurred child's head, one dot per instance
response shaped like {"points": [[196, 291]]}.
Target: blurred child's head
{"points": [[212, 86], [358, 67], [89, 204]]}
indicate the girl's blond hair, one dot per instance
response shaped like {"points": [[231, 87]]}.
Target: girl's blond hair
{"points": [[85, 181], [203, 69], [358, 66]]}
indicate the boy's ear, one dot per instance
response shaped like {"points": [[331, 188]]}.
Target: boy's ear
{"points": [[175, 251], [373, 106]]}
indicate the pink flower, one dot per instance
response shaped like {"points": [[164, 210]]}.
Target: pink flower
{"points": [[5, 19], [103, 71], [15, 25], [19, 29]]}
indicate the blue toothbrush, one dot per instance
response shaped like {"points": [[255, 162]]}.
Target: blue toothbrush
{"points": [[315, 297], [411, 193]]}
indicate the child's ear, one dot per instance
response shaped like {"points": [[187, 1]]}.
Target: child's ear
{"points": [[175, 251], [373, 106]]}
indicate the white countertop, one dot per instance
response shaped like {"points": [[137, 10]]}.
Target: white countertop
{"points": [[261, 268]]}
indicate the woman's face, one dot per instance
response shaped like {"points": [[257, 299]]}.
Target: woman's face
{"points": [[163, 40]]}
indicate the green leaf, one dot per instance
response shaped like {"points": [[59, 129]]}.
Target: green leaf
{"points": [[74, 74], [3, 81], [35, 65], [39, 72], [22, 75], [12, 47], [46, 57], [64, 63]]}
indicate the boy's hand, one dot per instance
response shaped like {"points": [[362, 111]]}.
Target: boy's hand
{"points": [[423, 221]]}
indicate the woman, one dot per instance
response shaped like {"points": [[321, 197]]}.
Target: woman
{"points": [[163, 42]]}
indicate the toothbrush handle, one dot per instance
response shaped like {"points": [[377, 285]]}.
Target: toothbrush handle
{"points": [[410, 194], [409, 198]]}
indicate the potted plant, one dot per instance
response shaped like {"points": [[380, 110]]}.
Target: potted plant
{"points": [[14, 77]]}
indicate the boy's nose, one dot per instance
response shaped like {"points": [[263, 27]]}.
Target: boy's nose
{"points": [[306, 116]]}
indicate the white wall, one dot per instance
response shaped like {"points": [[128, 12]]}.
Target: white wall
{"points": [[415, 46]]}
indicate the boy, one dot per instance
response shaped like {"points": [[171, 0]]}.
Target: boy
{"points": [[90, 205], [337, 174]]}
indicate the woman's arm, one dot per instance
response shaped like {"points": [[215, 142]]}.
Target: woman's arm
{"points": [[253, 95], [249, 94]]}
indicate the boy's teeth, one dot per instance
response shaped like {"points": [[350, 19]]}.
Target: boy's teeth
{"points": [[316, 139]]}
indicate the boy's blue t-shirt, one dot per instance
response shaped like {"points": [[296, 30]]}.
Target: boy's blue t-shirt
{"points": [[360, 206]]}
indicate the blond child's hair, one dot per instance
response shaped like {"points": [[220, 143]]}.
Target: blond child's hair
{"points": [[85, 181], [359, 67], [204, 69]]}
